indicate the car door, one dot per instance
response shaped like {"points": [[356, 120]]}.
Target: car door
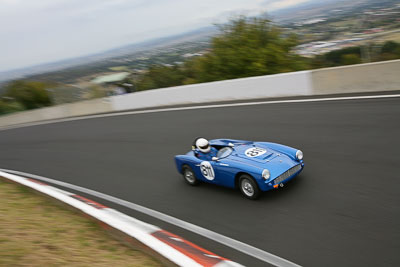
{"points": [[224, 173], [215, 172]]}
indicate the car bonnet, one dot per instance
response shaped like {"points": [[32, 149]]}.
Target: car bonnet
{"points": [[259, 154]]}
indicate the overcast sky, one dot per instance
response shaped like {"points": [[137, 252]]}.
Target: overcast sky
{"points": [[39, 31]]}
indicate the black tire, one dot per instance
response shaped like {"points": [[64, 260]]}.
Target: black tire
{"points": [[248, 187], [189, 176]]}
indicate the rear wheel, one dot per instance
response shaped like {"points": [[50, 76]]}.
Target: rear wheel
{"points": [[189, 176], [248, 187]]}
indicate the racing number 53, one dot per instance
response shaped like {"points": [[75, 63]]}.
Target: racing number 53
{"points": [[255, 151], [207, 170]]}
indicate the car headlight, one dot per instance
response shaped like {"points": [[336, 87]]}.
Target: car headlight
{"points": [[265, 174], [299, 155]]}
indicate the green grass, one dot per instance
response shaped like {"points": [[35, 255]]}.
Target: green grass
{"points": [[35, 231]]}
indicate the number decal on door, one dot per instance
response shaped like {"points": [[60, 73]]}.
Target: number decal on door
{"points": [[207, 170]]}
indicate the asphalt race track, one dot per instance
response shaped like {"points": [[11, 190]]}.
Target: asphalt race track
{"points": [[343, 210]]}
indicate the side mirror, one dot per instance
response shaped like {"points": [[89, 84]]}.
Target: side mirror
{"points": [[214, 159]]}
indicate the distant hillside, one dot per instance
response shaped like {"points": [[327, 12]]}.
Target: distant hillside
{"points": [[113, 53]]}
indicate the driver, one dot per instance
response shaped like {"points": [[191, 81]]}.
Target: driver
{"points": [[203, 149]]}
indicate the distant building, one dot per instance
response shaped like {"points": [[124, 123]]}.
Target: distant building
{"points": [[110, 78], [114, 83]]}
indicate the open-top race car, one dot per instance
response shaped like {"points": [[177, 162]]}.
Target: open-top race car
{"points": [[250, 166]]}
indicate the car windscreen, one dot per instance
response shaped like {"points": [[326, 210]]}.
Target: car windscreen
{"points": [[224, 152]]}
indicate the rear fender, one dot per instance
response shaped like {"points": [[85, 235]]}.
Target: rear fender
{"points": [[181, 160]]}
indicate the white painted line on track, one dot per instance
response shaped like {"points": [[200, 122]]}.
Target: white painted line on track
{"points": [[253, 103], [227, 241]]}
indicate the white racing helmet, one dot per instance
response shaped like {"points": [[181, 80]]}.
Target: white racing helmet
{"points": [[203, 145]]}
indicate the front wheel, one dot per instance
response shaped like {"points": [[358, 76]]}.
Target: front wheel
{"points": [[189, 176], [248, 187]]}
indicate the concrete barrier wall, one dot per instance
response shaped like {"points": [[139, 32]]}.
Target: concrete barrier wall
{"points": [[88, 107], [372, 77], [285, 84], [381, 76], [57, 112]]}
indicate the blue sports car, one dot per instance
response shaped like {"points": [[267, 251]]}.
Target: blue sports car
{"points": [[250, 166]]}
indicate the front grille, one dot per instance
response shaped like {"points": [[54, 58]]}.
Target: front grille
{"points": [[287, 174]]}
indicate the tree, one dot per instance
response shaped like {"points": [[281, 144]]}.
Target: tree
{"points": [[345, 56], [29, 94], [249, 47], [159, 77], [391, 47], [390, 50], [349, 59], [9, 107]]}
